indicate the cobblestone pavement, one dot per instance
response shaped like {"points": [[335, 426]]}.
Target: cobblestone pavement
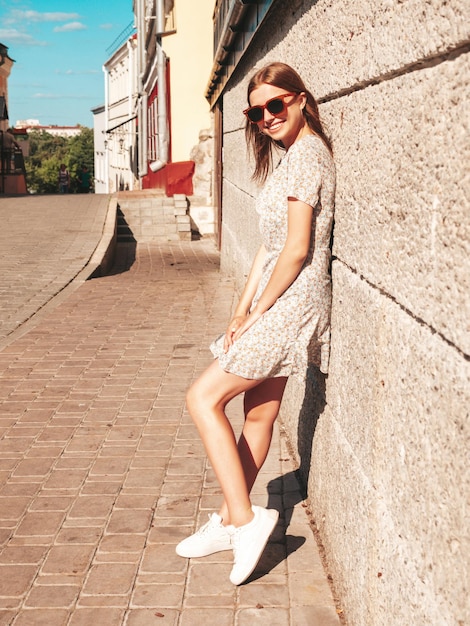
{"points": [[45, 241], [102, 471]]}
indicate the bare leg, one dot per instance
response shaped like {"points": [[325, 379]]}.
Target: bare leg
{"points": [[261, 404], [206, 402], [236, 467]]}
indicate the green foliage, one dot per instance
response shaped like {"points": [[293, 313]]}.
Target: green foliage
{"points": [[45, 176], [81, 152], [47, 152]]}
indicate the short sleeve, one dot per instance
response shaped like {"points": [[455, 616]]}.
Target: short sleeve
{"points": [[304, 172]]}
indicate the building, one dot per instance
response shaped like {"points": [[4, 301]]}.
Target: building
{"points": [[99, 137], [6, 64], [382, 442], [12, 172], [152, 140], [120, 137], [58, 131]]}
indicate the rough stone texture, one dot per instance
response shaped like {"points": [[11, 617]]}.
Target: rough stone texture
{"points": [[399, 463], [382, 441], [339, 45], [403, 224], [239, 219], [201, 214], [202, 154]]}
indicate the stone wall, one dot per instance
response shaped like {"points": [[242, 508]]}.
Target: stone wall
{"points": [[201, 207], [382, 442]]}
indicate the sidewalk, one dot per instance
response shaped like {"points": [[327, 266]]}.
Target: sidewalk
{"points": [[102, 471], [45, 242]]}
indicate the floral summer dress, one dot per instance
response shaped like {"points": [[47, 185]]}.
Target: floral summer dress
{"points": [[295, 331]]}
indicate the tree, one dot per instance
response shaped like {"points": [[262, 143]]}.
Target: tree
{"points": [[47, 152], [44, 178], [81, 152]]}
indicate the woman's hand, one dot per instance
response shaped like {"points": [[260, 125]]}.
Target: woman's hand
{"points": [[241, 312], [232, 329], [238, 326]]}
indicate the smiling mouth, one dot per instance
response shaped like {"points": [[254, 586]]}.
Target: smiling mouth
{"points": [[275, 125]]}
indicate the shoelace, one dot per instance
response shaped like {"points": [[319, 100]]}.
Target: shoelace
{"points": [[235, 541], [203, 530]]}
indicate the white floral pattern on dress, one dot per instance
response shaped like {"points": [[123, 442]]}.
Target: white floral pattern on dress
{"points": [[295, 331]]}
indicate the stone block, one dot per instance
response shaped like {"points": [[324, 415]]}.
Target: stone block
{"points": [[240, 234], [203, 218], [405, 223], [181, 210], [238, 169], [398, 399], [159, 230], [352, 44]]}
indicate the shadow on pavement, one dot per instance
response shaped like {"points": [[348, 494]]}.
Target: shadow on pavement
{"points": [[125, 249]]}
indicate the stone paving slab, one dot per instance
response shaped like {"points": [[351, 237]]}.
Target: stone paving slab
{"points": [[102, 471]]}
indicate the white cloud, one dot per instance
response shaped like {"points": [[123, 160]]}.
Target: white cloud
{"points": [[71, 26], [77, 72], [56, 96], [107, 26], [36, 16], [9, 36], [46, 96]]}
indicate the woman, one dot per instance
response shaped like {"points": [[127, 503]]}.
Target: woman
{"points": [[282, 320]]}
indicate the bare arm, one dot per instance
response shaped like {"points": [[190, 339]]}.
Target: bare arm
{"points": [[289, 263], [244, 305], [252, 283]]}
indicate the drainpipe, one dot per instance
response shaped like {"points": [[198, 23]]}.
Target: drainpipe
{"points": [[130, 91], [162, 114], [142, 98], [106, 126]]}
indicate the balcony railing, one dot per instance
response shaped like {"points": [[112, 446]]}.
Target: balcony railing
{"points": [[235, 23], [123, 36]]}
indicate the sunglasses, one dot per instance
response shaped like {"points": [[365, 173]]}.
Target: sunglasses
{"points": [[275, 106]]}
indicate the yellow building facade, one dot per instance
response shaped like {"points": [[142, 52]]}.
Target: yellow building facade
{"points": [[190, 52]]}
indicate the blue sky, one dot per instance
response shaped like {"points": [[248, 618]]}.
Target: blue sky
{"points": [[59, 49]]}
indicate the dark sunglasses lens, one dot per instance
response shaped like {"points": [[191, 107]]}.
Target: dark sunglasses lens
{"points": [[255, 114], [275, 106]]}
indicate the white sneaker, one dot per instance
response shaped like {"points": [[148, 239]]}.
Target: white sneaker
{"points": [[249, 542], [210, 538]]}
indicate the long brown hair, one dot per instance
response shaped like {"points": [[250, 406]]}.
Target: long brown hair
{"points": [[283, 76]]}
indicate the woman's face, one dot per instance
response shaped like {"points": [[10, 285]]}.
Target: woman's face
{"points": [[285, 126]]}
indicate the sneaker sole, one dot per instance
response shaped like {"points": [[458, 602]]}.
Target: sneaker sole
{"points": [[193, 555]]}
